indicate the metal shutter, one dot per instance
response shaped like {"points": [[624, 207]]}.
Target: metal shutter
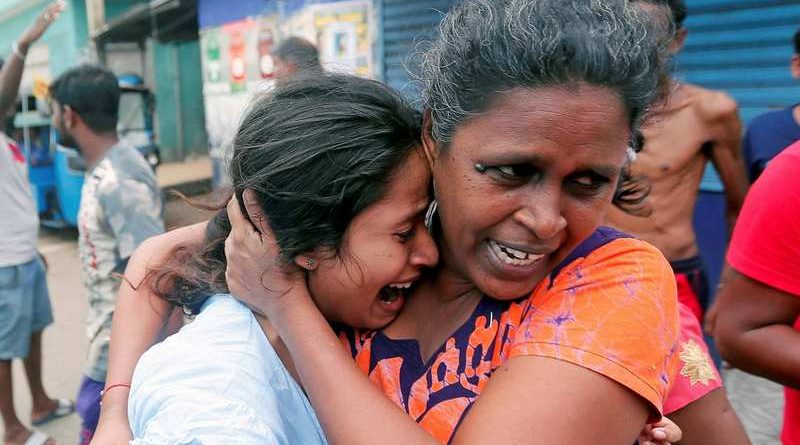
{"points": [[743, 47], [406, 26]]}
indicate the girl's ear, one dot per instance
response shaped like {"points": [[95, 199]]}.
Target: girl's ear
{"points": [[306, 261]]}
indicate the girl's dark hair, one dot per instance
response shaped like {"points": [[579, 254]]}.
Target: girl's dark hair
{"points": [[316, 151], [487, 47]]}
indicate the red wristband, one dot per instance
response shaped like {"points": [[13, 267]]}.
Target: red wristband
{"points": [[110, 387]]}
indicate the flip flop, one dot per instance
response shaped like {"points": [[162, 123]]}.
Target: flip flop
{"points": [[64, 407], [37, 438]]}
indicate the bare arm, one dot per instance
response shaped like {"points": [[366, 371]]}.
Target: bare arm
{"points": [[605, 411], [710, 420], [11, 73], [140, 318], [754, 330], [726, 152]]}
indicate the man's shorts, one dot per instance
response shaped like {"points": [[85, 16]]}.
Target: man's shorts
{"points": [[88, 407], [24, 307], [692, 285]]}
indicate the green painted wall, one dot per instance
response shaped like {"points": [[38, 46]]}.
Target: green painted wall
{"points": [[179, 99], [178, 75], [194, 121], [65, 38], [113, 8]]}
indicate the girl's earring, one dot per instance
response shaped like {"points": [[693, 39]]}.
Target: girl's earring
{"points": [[310, 263]]}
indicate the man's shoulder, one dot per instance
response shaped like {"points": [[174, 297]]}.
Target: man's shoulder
{"points": [[771, 120], [124, 163], [712, 105]]}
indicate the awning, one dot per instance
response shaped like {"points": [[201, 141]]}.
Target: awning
{"points": [[165, 20]]}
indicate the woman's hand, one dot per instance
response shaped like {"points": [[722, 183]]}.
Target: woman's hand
{"points": [[663, 432], [256, 274]]}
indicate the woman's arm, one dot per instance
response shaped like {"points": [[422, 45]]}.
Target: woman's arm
{"points": [[754, 330], [140, 319], [710, 420], [352, 410]]}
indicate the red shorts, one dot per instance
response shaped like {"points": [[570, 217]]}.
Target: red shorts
{"points": [[697, 375]]}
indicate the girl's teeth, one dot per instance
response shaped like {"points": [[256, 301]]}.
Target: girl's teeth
{"points": [[513, 256]]}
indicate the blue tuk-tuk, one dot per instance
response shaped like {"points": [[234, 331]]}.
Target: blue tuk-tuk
{"points": [[55, 172], [135, 125]]}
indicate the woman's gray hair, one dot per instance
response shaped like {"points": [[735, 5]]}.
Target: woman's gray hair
{"points": [[486, 47]]}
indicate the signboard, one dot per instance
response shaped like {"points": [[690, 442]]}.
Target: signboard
{"points": [[237, 57]]}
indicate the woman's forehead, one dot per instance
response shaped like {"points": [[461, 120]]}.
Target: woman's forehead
{"points": [[548, 112]]}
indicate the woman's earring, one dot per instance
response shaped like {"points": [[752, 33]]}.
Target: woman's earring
{"points": [[630, 155], [430, 214], [310, 263]]}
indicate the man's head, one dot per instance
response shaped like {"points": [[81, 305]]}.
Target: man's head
{"points": [[669, 10], [295, 56], [85, 101], [796, 56]]}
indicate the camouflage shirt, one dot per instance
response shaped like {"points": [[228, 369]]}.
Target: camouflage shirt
{"points": [[121, 206]]}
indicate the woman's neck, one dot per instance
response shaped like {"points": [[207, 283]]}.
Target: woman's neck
{"points": [[438, 307]]}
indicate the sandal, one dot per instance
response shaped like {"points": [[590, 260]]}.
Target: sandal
{"points": [[37, 438], [64, 407]]}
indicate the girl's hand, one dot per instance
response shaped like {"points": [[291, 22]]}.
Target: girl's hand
{"points": [[663, 432], [113, 428], [256, 274]]}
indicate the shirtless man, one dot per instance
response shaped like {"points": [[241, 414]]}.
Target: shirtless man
{"points": [[689, 127]]}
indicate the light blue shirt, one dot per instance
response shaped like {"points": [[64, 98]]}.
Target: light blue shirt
{"points": [[219, 381]]}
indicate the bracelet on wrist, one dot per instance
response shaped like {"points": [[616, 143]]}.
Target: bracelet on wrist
{"points": [[15, 51], [110, 387]]}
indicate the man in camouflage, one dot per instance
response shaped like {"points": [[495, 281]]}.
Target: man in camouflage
{"points": [[121, 206]]}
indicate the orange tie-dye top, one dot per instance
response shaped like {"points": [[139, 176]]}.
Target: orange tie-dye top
{"points": [[610, 307]]}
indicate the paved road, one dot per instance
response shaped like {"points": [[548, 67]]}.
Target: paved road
{"points": [[758, 402]]}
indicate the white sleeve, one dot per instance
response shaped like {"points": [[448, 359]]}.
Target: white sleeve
{"points": [[205, 419]]}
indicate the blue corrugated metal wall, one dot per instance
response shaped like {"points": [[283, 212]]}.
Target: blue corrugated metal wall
{"points": [[740, 46], [744, 48], [406, 24]]}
